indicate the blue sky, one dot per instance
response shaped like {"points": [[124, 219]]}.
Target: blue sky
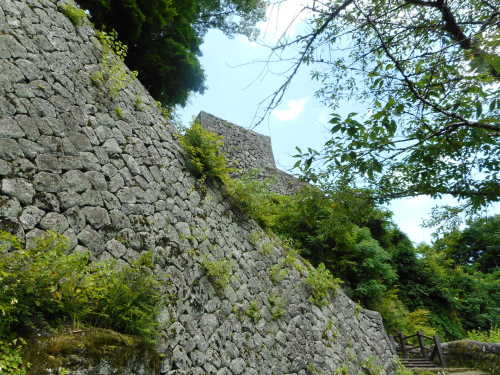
{"points": [[237, 82]]}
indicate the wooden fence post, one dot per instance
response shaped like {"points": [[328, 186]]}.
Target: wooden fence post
{"points": [[402, 345], [439, 351], [421, 344]]}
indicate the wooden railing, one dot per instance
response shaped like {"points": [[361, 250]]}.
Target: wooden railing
{"points": [[419, 346]]}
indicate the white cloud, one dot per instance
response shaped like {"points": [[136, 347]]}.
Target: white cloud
{"points": [[295, 108]]}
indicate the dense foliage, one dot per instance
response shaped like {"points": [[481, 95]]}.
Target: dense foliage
{"points": [[428, 72], [45, 287], [421, 288], [164, 37], [478, 246]]}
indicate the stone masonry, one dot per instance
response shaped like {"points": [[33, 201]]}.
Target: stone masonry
{"points": [[108, 173], [248, 151]]}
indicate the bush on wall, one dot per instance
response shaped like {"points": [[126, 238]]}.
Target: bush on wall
{"points": [[46, 286]]}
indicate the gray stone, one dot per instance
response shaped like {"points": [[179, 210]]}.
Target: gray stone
{"points": [[91, 239], [9, 149], [46, 201], [31, 216], [33, 237], [237, 366], [112, 146], [5, 168], [183, 229], [117, 249], [96, 216], [110, 201], [18, 188], [10, 129], [9, 208], [9, 47], [47, 182], [91, 198], [76, 181], [69, 199], [116, 183], [48, 162], [131, 164], [127, 195], [97, 180], [55, 222]]}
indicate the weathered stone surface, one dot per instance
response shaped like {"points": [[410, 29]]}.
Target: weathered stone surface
{"points": [[248, 151], [31, 216], [10, 129], [47, 182], [55, 222], [96, 216], [118, 187], [76, 181], [474, 354], [9, 149], [19, 188]]}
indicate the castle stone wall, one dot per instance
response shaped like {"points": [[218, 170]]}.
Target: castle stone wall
{"points": [[108, 173], [247, 150]]}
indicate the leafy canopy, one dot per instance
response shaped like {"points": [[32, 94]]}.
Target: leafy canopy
{"points": [[429, 72], [477, 246], [164, 37]]}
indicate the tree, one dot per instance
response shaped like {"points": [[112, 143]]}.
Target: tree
{"points": [[476, 246], [332, 228], [164, 37], [429, 72]]}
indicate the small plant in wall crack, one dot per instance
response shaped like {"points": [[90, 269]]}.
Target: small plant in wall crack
{"points": [[277, 306], [277, 273], [113, 76], [253, 311], [321, 283], [218, 271]]}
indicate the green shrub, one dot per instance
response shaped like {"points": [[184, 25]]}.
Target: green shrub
{"points": [[112, 75], [493, 335], [218, 271], [204, 156], [320, 283], [75, 15], [253, 197], [47, 286], [11, 358]]}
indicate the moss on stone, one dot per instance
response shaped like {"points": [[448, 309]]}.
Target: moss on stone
{"points": [[75, 15], [472, 354], [72, 348]]}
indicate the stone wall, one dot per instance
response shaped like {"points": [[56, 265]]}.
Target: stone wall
{"points": [[475, 354], [108, 173], [247, 150]]}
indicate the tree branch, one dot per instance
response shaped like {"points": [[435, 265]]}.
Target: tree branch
{"points": [[277, 96]]}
